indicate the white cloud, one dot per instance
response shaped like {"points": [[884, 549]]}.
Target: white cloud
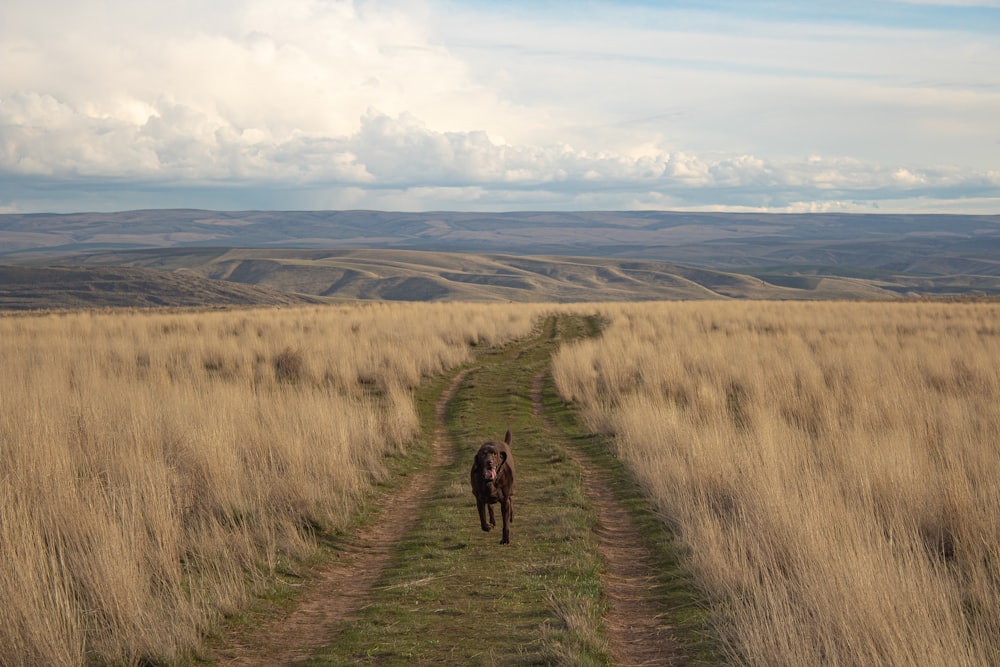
{"points": [[289, 66], [354, 102]]}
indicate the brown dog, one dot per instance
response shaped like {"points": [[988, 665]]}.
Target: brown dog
{"points": [[493, 482]]}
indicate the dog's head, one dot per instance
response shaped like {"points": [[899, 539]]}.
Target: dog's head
{"points": [[488, 461]]}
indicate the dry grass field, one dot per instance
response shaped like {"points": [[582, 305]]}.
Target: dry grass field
{"points": [[156, 468], [832, 469]]}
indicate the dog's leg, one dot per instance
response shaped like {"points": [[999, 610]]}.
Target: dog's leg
{"points": [[508, 514], [493, 521], [481, 506]]}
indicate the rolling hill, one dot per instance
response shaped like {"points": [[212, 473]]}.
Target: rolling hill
{"points": [[933, 243], [52, 287], [184, 257], [407, 275]]}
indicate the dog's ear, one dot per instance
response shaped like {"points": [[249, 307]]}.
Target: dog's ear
{"points": [[476, 464], [503, 456], [506, 438]]}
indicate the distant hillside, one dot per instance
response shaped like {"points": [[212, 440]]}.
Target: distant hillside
{"points": [[425, 276], [23, 288], [915, 243], [525, 256]]}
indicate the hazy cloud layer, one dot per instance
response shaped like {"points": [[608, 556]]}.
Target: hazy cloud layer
{"points": [[333, 104]]}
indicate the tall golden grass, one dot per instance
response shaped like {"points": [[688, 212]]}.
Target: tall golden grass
{"points": [[832, 469], [157, 468]]}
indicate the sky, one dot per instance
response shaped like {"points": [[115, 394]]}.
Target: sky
{"points": [[711, 105]]}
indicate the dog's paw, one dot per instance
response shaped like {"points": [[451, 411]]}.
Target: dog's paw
{"points": [[487, 527]]}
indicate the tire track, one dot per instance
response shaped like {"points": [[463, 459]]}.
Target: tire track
{"points": [[637, 636], [342, 588]]}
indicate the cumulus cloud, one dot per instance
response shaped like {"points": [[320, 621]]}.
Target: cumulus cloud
{"points": [[378, 103]]}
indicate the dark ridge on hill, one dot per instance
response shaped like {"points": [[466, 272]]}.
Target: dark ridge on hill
{"points": [[739, 255], [410, 275], [938, 244], [70, 287]]}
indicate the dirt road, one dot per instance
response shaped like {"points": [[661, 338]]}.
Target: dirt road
{"points": [[423, 584]]}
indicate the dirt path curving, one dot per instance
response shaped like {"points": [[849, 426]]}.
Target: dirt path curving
{"points": [[636, 634], [342, 588]]}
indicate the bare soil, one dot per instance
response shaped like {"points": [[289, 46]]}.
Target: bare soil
{"points": [[636, 632], [637, 635]]}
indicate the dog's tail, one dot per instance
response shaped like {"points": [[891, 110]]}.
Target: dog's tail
{"points": [[506, 438]]}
